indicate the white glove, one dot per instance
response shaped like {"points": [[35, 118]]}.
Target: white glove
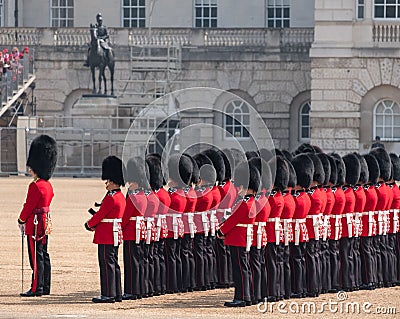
{"points": [[22, 229]]}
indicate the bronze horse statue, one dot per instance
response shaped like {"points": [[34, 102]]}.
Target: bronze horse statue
{"points": [[100, 58]]}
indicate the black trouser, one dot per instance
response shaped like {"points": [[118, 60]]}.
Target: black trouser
{"points": [[325, 266], [148, 266], [173, 264], [160, 271], [209, 264], [133, 255], [241, 273], [199, 258], [222, 262], [385, 259], [188, 263], [110, 273], [39, 261], [255, 266], [346, 247], [229, 260], [263, 266], [367, 260], [298, 268], [334, 255], [391, 241], [378, 259], [286, 283], [312, 266], [357, 262], [273, 270]]}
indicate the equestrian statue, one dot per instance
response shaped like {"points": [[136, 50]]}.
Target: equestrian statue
{"points": [[100, 55]]}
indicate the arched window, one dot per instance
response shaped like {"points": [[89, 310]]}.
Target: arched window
{"points": [[387, 120], [237, 120], [304, 122]]}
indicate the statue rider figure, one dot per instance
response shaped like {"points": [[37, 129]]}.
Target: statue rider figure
{"points": [[101, 35]]}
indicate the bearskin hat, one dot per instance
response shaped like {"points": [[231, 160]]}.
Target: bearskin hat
{"points": [[395, 167], [265, 154], [353, 168], [195, 170], [206, 168], [248, 176], [228, 162], [340, 169], [317, 149], [304, 168], [373, 168], [326, 165], [42, 157], [251, 154], [333, 177], [304, 148], [282, 172], [238, 156], [292, 175], [385, 165], [278, 152], [135, 172], [364, 173], [112, 169], [180, 169], [319, 174], [218, 163], [287, 155], [156, 179], [264, 170]]}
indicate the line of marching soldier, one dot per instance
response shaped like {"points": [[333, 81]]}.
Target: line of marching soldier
{"points": [[273, 226]]}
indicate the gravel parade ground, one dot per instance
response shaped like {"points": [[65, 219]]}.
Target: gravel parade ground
{"points": [[75, 272]]}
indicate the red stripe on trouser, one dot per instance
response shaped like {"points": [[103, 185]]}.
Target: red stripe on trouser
{"points": [[106, 266], [241, 272], [34, 264]]}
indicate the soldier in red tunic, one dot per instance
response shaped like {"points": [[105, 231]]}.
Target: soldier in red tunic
{"points": [[286, 224], [157, 183], [257, 252], [358, 211], [133, 228], [346, 247], [314, 222], [203, 205], [218, 163], [34, 219], [393, 226], [336, 222], [180, 175], [236, 230], [274, 229], [380, 240], [228, 197], [304, 168], [367, 251], [323, 246], [188, 262], [106, 224]]}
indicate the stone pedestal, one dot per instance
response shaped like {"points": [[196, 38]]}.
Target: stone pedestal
{"points": [[94, 112]]}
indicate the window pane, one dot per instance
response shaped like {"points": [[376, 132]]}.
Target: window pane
{"points": [[142, 3], [206, 12], [198, 23], [379, 120], [214, 12], [198, 12], [246, 133], [278, 13], [126, 13], [379, 12], [387, 132], [391, 12], [142, 23], [360, 13], [228, 120], [206, 23], [304, 132], [396, 133], [214, 23], [126, 3]]}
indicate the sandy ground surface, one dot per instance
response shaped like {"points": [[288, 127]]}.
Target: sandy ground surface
{"points": [[75, 274]]}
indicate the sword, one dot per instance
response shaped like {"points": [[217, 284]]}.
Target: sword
{"points": [[35, 222], [22, 262]]}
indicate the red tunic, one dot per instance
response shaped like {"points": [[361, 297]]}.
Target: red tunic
{"points": [[330, 201], [203, 204], [337, 211], [383, 196], [216, 197], [348, 219], [302, 207], [318, 203], [191, 199], [359, 206], [112, 207], [390, 195], [150, 214], [136, 203], [38, 199], [396, 197], [164, 201], [277, 203], [395, 204], [236, 235], [228, 197], [287, 214], [371, 199], [263, 210], [178, 204]]}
